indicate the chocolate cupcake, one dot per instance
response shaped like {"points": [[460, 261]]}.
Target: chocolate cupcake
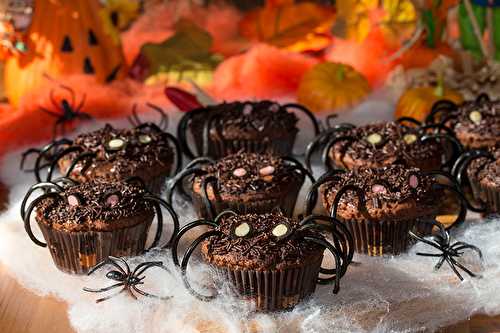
{"points": [[244, 182], [270, 260], [113, 154], [254, 127], [83, 224], [381, 144], [380, 206], [482, 170], [475, 123]]}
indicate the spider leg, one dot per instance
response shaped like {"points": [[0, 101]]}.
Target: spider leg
{"points": [[423, 240], [143, 293], [51, 113], [440, 263], [102, 290], [25, 155], [462, 267], [71, 93], [429, 254], [109, 261], [452, 265], [127, 267], [130, 292], [53, 99], [471, 247], [82, 103], [111, 296], [146, 265]]}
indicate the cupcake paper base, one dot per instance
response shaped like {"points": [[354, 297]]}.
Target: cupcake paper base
{"points": [[77, 252], [489, 195], [272, 290]]}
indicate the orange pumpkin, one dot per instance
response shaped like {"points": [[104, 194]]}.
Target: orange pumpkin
{"points": [[332, 86], [65, 37], [417, 102]]}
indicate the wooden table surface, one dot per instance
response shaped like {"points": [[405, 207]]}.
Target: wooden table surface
{"points": [[21, 311]]}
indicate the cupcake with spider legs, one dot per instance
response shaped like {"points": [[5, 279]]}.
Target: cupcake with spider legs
{"points": [[253, 127], [269, 259], [385, 143], [112, 154], [83, 224], [244, 182], [475, 123], [380, 206], [482, 170]]}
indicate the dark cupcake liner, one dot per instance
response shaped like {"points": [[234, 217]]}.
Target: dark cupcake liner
{"points": [[286, 202], [488, 195], [388, 237], [77, 252], [272, 290]]}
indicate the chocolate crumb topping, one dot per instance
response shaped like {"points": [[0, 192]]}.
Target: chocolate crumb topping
{"points": [[249, 120], [261, 248], [245, 173], [122, 153], [384, 189], [480, 118], [392, 145], [94, 205], [486, 170]]}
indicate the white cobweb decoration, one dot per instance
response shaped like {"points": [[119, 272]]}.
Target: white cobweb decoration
{"points": [[398, 294]]}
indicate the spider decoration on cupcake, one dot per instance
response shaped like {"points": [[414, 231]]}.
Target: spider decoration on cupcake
{"points": [[142, 135], [263, 126], [127, 279], [391, 140], [443, 111], [323, 231], [58, 190], [211, 206], [65, 111], [448, 252]]}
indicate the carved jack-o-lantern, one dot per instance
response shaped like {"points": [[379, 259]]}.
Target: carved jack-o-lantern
{"points": [[64, 37]]}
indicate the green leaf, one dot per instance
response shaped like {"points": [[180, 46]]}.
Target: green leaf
{"points": [[187, 50]]}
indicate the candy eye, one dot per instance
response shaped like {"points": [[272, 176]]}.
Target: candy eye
{"points": [[475, 117], [115, 144], [281, 230], [145, 139], [379, 188], [410, 138], [374, 138], [267, 171], [240, 172], [74, 200], [112, 199], [247, 109], [275, 107], [242, 230], [413, 181]]}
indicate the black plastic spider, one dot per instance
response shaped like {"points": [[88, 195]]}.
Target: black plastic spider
{"points": [[341, 246], [194, 169], [138, 123], [126, 278], [416, 131], [49, 156], [209, 120], [448, 252], [68, 111]]}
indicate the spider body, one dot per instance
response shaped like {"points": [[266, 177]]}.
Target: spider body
{"points": [[380, 144], [127, 279], [266, 248], [84, 223]]}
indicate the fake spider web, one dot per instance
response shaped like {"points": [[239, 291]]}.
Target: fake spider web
{"points": [[400, 294]]}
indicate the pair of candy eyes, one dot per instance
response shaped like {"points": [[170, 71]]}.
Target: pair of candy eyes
{"points": [[280, 231], [380, 188], [265, 171], [248, 108], [376, 138], [116, 144], [110, 200]]}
